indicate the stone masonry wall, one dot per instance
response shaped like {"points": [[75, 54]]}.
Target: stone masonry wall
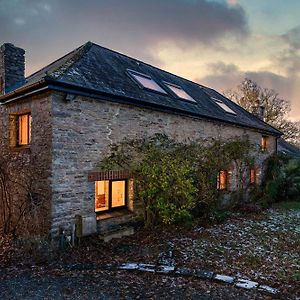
{"points": [[84, 128], [38, 152]]}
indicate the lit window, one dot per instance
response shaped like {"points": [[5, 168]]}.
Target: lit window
{"points": [[147, 82], [223, 106], [110, 194], [252, 176], [101, 196], [118, 193], [222, 180], [24, 129], [179, 92], [264, 143]]}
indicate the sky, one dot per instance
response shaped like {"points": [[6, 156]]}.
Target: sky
{"points": [[216, 43]]}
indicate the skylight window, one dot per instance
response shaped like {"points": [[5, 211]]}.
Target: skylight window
{"points": [[224, 106], [179, 92], [147, 82]]}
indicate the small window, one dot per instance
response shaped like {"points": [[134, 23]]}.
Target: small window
{"points": [[179, 92], [222, 180], [146, 82], [252, 176], [110, 194], [24, 129], [264, 143], [223, 106]]}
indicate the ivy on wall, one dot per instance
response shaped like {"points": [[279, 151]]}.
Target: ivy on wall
{"points": [[176, 182]]}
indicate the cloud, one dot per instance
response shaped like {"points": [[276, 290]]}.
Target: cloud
{"points": [[224, 77], [138, 28], [289, 58]]}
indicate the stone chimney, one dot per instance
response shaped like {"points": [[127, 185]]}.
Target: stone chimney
{"points": [[12, 68], [258, 111]]}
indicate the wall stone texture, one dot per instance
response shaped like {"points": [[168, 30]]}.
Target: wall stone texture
{"points": [[38, 155], [84, 128], [69, 138]]}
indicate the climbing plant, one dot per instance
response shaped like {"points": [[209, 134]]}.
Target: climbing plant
{"points": [[177, 181]]}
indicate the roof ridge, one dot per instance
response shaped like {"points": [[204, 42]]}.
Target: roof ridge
{"points": [[78, 54], [55, 61]]}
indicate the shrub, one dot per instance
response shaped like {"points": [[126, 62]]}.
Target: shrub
{"points": [[176, 182], [281, 181]]}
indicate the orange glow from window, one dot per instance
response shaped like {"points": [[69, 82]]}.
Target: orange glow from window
{"points": [[24, 137], [110, 194], [264, 143], [252, 176], [118, 193], [222, 180], [101, 195]]}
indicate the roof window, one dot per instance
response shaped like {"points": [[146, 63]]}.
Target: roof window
{"points": [[223, 106], [146, 82], [179, 92]]}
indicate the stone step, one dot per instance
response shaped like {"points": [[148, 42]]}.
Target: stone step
{"points": [[117, 233]]}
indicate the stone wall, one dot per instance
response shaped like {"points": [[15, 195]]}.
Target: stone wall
{"points": [[37, 156], [84, 128]]}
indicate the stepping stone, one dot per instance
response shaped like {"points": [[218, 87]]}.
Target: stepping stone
{"points": [[165, 269], [268, 289], [224, 278], [246, 284], [204, 274], [146, 268], [185, 272], [129, 266]]}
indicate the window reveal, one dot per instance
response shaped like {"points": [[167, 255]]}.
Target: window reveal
{"points": [[24, 129]]}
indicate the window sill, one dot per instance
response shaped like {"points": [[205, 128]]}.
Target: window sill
{"points": [[113, 214], [20, 148]]}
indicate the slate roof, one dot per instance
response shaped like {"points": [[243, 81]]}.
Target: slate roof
{"points": [[104, 71], [287, 148]]}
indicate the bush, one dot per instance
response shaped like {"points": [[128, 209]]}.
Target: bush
{"points": [[281, 181], [176, 182]]}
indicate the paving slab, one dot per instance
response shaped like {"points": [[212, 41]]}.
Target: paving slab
{"points": [[246, 284], [224, 278]]}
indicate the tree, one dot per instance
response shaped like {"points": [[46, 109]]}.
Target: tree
{"points": [[250, 96]]}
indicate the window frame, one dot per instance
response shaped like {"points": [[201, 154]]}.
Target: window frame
{"points": [[264, 143], [219, 181], [14, 129], [132, 73], [219, 102], [110, 208], [167, 84]]}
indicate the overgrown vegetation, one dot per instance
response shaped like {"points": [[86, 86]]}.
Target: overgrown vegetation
{"points": [[23, 208], [21, 205], [281, 181], [176, 182]]}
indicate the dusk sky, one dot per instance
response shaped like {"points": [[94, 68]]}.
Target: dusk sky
{"points": [[213, 42]]}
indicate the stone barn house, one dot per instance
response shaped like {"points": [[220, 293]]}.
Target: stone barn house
{"points": [[68, 114]]}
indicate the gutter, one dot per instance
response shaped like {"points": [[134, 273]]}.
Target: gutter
{"points": [[88, 92], [51, 84], [21, 92]]}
